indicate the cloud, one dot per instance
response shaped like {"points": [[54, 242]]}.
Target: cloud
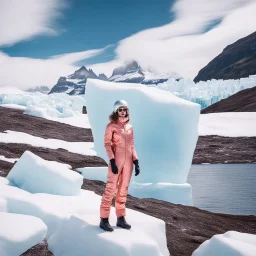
{"points": [[22, 20], [183, 45], [24, 72], [106, 67]]}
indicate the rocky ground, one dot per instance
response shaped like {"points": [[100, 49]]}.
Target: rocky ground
{"points": [[186, 227]]}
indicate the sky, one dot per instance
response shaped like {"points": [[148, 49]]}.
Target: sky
{"points": [[41, 40]]}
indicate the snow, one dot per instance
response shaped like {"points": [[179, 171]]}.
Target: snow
{"points": [[164, 157], [153, 75], [230, 124], [133, 75], [231, 243], [10, 160], [78, 121], [14, 106], [209, 92], [44, 176], [18, 233], [73, 221], [83, 148]]}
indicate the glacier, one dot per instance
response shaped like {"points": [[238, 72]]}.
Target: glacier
{"points": [[209, 92], [165, 141]]}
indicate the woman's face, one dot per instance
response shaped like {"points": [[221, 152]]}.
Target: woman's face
{"points": [[122, 111]]}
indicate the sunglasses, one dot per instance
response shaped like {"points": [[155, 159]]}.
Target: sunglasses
{"points": [[122, 109]]}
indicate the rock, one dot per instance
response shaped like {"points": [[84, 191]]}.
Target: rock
{"points": [[236, 61]]}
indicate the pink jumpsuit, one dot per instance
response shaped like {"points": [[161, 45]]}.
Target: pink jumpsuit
{"points": [[119, 144]]}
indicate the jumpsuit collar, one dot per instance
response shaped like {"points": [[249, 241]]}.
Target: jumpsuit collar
{"points": [[122, 120]]}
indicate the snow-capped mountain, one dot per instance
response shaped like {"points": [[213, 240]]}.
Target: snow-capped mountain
{"points": [[131, 72], [74, 84], [42, 89]]}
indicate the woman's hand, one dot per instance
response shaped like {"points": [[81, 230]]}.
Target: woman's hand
{"points": [[113, 166], [137, 168]]}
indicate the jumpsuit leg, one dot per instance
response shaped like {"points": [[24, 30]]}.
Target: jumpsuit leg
{"points": [[122, 189], [109, 193]]}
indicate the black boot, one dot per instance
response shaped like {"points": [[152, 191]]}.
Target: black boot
{"points": [[104, 224], [121, 222]]}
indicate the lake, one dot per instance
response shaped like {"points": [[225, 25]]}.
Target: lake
{"points": [[224, 188]]}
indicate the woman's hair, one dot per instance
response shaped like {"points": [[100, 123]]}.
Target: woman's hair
{"points": [[113, 117]]}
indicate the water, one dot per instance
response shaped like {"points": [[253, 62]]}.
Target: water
{"points": [[224, 188]]}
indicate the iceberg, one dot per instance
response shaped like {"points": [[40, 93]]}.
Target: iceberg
{"points": [[165, 141]]}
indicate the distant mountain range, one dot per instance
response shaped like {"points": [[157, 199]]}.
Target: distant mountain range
{"points": [[129, 72], [42, 89], [236, 61], [242, 101]]}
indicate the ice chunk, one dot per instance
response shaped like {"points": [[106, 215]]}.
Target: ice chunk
{"points": [[19, 232], [231, 243], [35, 175], [19, 201], [165, 128], [81, 235]]}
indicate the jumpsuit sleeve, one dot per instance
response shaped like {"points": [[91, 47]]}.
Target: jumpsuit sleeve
{"points": [[134, 154], [108, 142]]}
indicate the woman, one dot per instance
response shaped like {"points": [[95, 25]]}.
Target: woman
{"points": [[119, 144]]}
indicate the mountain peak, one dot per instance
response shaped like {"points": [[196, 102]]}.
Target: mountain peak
{"points": [[130, 66], [131, 72], [83, 73]]}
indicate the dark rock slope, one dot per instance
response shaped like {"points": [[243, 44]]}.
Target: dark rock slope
{"points": [[242, 101], [236, 61]]}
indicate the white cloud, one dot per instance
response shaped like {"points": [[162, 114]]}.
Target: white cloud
{"points": [[182, 45], [22, 20], [24, 72], [106, 67]]}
